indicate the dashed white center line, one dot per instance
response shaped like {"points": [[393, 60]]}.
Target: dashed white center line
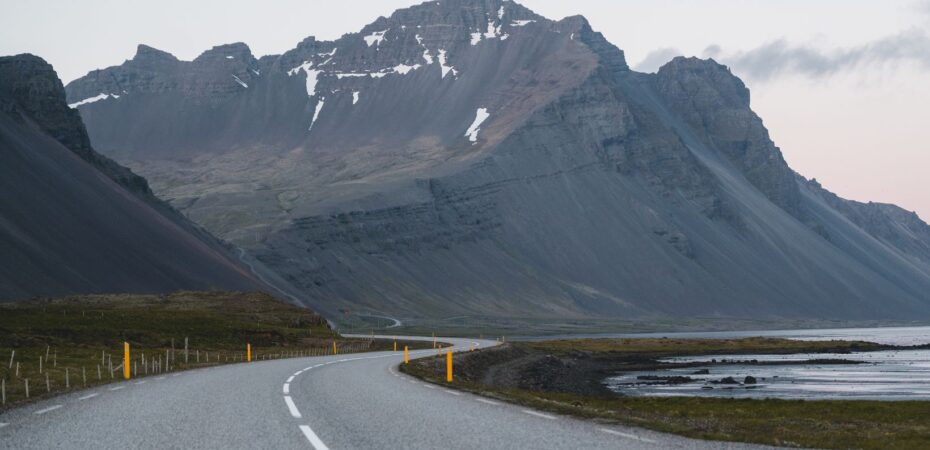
{"points": [[451, 392], [50, 408], [429, 386], [287, 388], [313, 438], [490, 402], [176, 374], [89, 396], [116, 388], [3, 424], [626, 435], [291, 406], [537, 414], [290, 378], [140, 382]]}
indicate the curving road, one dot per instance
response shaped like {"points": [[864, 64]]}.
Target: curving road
{"points": [[354, 401]]}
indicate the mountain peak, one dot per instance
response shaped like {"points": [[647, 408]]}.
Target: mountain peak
{"points": [[235, 52], [30, 86], [707, 73], [146, 53]]}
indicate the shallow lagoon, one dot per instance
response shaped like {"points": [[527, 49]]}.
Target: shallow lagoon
{"points": [[885, 375]]}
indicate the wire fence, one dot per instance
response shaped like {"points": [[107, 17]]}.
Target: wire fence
{"points": [[32, 373]]}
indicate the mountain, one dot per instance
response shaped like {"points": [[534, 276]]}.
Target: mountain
{"points": [[472, 158], [73, 221]]}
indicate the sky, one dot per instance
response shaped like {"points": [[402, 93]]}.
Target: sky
{"points": [[842, 85]]}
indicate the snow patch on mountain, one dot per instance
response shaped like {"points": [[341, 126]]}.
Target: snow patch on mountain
{"points": [[442, 64], [493, 31], [312, 75], [480, 116], [375, 38], [316, 113], [241, 83], [93, 99], [403, 69]]}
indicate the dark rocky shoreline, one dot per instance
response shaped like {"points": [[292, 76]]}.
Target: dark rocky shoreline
{"points": [[583, 372]]}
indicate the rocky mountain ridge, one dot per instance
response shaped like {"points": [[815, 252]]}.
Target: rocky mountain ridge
{"points": [[73, 221], [472, 158]]}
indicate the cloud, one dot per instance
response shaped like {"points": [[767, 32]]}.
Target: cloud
{"points": [[656, 59], [780, 57], [923, 7]]}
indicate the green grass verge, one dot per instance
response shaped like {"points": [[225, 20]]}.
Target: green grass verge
{"points": [[77, 340]]}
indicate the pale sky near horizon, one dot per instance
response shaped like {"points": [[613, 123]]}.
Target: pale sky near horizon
{"points": [[842, 85]]}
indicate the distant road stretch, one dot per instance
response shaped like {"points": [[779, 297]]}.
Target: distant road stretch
{"points": [[356, 401]]}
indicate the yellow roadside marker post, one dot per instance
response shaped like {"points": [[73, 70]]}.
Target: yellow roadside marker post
{"points": [[449, 366], [406, 355], [334, 347], [248, 352], [126, 360], [434, 340], [395, 345]]}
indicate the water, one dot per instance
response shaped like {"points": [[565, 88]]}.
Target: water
{"points": [[885, 335], [885, 375]]}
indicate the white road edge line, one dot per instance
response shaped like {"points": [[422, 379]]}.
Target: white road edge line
{"points": [[490, 402], [291, 406], [89, 396], [313, 438], [49, 409], [451, 392], [537, 414], [287, 388], [116, 388], [626, 435]]}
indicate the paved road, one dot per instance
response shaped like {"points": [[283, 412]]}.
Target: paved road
{"points": [[354, 401]]}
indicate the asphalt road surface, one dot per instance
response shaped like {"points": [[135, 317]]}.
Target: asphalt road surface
{"points": [[356, 401]]}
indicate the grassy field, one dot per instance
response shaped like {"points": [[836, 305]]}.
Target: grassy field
{"points": [[62, 344], [790, 423]]}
